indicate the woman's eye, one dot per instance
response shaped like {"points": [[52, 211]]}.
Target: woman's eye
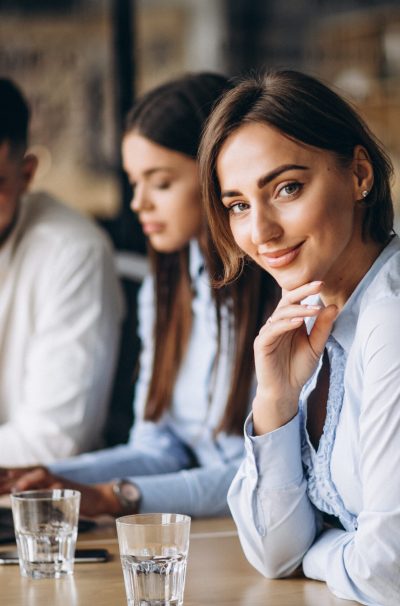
{"points": [[290, 189], [237, 208], [162, 185]]}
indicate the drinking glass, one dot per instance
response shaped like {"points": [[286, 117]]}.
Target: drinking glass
{"points": [[153, 549], [46, 528]]}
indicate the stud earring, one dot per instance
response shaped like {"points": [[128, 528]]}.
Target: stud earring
{"points": [[365, 193]]}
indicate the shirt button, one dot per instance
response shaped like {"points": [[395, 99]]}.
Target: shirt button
{"points": [[261, 531]]}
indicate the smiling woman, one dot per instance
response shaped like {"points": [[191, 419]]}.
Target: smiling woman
{"points": [[294, 180], [295, 209]]}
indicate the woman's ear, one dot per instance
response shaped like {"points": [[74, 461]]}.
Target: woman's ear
{"points": [[363, 173]]}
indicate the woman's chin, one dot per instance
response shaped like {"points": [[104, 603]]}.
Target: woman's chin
{"points": [[290, 283]]}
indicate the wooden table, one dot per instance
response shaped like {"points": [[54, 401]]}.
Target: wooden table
{"points": [[218, 575]]}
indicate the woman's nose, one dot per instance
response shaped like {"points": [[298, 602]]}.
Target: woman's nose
{"points": [[140, 200], [264, 226]]}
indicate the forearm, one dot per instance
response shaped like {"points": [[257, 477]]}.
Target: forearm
{"points": [[198, 492], [120, 461], [355, 567], [268, 500]]}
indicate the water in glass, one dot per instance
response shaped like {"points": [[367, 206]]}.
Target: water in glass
{"points": [[154, 580], [48, 552]]}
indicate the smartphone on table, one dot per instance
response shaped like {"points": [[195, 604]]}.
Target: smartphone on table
{"points": [[81, 556]]}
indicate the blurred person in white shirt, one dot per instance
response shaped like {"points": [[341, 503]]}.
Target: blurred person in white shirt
{"points": [[60, 310]]}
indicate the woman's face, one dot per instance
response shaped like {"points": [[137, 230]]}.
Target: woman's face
{"points": [[291, 207], [165, 192]]}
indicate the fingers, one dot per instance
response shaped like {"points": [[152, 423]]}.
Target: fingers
{"points": [[292, 314], [28, 478], [287, 318], [13, 472], [302, 292], [37, 477], [8, 477], [4, 474], [322, 328], [268, 339]]}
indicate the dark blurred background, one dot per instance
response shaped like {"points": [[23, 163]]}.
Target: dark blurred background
{"points": [[81, 63]]}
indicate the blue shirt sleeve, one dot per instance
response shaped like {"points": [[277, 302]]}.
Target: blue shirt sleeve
{"points": [[279, 527], [162, 468], [156, 459], [152, 450], [198, 492], [276, 521]]}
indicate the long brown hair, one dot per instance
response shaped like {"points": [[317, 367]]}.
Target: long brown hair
{"points": [[249, 300], [173, 115], [305, 110]]}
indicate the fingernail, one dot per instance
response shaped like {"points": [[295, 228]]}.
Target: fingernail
{"points": [[296, 320], [317, 283], [313, 307]]}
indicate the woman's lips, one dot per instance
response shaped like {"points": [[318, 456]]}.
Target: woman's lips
{"points": [[282, 257], [152, 228]]}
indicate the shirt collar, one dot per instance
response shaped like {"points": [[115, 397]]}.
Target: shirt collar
{"points": [[345, 324], [196, 260], [7, 250]]}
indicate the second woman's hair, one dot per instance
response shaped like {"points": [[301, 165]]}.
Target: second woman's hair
{"points": [[173, 115], [305, 110]]}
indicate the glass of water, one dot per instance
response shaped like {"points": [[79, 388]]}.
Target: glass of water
{"points": [[154, 549], [46, 528]]}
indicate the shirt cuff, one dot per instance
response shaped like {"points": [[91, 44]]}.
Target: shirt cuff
{"points": [[277, 454]]}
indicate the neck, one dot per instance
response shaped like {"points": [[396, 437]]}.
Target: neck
{"points": [[339, 286], [8, 230]]}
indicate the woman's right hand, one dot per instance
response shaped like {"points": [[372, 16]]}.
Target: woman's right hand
{"points": [[95, 499], [9, 477], [286, 356]]}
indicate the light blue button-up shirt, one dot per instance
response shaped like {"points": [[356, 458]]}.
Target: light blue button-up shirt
{"points": [[278, 511], [159, 456]]}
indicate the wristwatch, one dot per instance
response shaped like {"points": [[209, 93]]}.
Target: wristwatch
{"points": [[128, 495]]}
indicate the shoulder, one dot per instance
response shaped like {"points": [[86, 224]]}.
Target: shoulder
{"points": [[58, 250], [380, 305], [384, 290], [50, 223]]}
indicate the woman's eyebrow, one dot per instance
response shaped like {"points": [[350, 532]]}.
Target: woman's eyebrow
{"points": [[262, 181], [267, 178], [156, 169]]}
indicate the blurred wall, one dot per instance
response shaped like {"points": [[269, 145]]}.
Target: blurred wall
{"points": [[62, 55]]}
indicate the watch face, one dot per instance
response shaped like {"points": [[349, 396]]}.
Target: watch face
{"points": [[128, 496], [129, 492]]}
